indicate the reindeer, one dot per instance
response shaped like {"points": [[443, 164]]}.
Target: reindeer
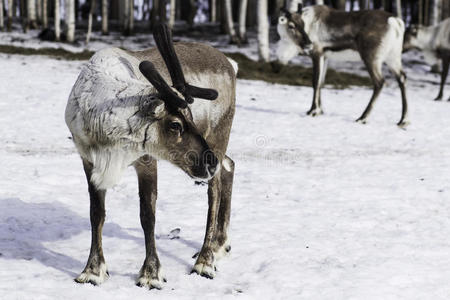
{"points": [[118, 119], [319, 31], [434, 41]]}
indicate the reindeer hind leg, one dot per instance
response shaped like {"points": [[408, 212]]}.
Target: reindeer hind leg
{"points": [[395, 65], [374, 68], [445, 67]]}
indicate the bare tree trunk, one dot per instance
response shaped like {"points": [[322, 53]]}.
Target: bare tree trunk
{"points": [[340, 4], [363, 4], [421, 12], [90, 20], [31, 7], [70, 20], [242, 21], [105, 17], [173, 10], [57, 21], [39, 11], [2, 22], [23, 15], [319, 2], [230, 23], [213, 11], [154, 13], [192, 12], [131, 17], [10, 14], [445, 10], [263, 31], [124, 12], [426, 15], [398, 6], [436, 12], [45, 13]]}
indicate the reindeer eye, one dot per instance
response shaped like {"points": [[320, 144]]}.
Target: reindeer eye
{"points": [[282, 20], [175, 126], [291, 25]]}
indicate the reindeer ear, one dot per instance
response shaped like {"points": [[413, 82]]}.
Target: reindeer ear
{"points": [[300, 8], [284, 13]]}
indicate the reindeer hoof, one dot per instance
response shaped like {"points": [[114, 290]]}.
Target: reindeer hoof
{"points": [[95, 277], [438, 98], [361, 121], [205, 264], [403, 124], [204, 270], [150, 281], [315, 112]]}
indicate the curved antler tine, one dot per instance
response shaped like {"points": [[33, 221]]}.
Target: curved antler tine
{"points": [[167, 94], [163, 39], [208, 94]]}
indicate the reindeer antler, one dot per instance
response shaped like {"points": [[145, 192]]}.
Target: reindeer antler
{"points": [[163, 39], [164, 90]]}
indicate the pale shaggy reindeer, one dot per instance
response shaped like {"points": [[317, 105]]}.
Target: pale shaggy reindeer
{"points": [[319, 31], [118, 119], [434, 42]]}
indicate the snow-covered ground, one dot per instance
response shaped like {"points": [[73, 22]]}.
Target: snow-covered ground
{"points": [[323, 208]]}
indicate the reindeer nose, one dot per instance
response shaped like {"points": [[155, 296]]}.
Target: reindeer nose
{"points": [[210, 161]]}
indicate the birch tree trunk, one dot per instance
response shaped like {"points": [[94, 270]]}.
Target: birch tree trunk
{"points": [[398, 5], [293, 5], [172, 13], [243, 21], [31, 7], [10, 14], [213, 11], [105, 17], [70, 20], [57, 22], [436, 12], [45, 13], [90, 20], [319, 2], [263, 31], [229, 22], [2, 22]]}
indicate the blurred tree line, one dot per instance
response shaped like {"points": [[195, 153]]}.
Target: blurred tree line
{"points": [[62, 17]]}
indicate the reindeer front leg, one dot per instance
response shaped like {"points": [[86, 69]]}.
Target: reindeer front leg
{"points": [[221, 241], [150, 274], [95, 271], [205, 264], [318, 77]]}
